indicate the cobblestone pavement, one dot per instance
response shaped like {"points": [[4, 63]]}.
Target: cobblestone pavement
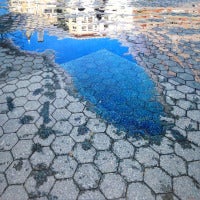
{"points": [[53, 146]]}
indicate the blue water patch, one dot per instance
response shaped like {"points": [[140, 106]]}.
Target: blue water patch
{"points": [[121, 91], [67, 49]]}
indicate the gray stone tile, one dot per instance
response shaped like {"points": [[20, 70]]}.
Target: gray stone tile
{"points": [[194, 115], [3, 119], [123, 149], [96, 125], [147, 157], [139, 191], [165, 147], [173, 164], [60, 103], [27, 131], [64, 167], [65, 189], [62, 127], [32, 105], [84, 153], [166, 196], [7, 141], [185, 188], [194, 170], [45, 156], [11, 126], [5, 160], [91, 195], [39, 185], [186, 123], [16, 192], [22, 149], [113, 186], [18, 171], [44, 141], [189, 154], [75, 107], [131, 170], [158, 180], [62, 145], [80, 136], [113, 132], [106, 161], [78, 119], [101, 141], [87, 176], [3, 183], [194, 136], [61, 114]]}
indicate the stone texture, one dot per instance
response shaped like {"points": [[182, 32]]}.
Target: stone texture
{"points": [[186, 189], [139, 191], [113, 186], [87, 176], [158, 180], [65, 189]]}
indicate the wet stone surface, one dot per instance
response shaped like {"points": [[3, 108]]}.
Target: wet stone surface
{"points": [[53, 145]]}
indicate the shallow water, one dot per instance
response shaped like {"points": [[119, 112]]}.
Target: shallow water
{"points": [[121, 91]]}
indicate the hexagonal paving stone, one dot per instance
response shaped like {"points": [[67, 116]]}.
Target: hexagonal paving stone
{"points": [[65, 189], [7, 141], [16, 113], [185, 188], [138, 141], [45, 156], [131, 170], [158, 180], [32, 105], [96, 125], [62, 128], [193, 170], [27, 131], [139, 191], [87, 176], [62, 145], [77, 119], [64, 167], [80, 134], [174, 165], [84, 153], [61, 114], [22, 149], [20, 101], [189, 154], [166, 196], [147, 157], [123, 149], [16, 192], [101, 141], [106, 161], [165, 147], [89, 195], [5, 160], [60, 103], [194, 136], [39, 185], [3, 183], [44, 141], [18, 171], [113, 186], [75, 107], [11, 126], [22, 92], [3, 119]]}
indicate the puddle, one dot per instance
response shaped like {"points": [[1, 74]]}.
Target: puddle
{"points": [[121, 91]]}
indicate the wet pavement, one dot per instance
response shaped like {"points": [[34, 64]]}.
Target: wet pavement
{"points": [[52, 143]]}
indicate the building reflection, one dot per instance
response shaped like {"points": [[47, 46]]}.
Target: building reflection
{"points": [[80, 19]]}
